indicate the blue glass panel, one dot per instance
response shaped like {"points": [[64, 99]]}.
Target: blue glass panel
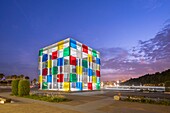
{"points": [[60, 61], [90, 72], [79, 85], [97, 61], [73, 43], [49, 78], [45, 58], [98, 79]]}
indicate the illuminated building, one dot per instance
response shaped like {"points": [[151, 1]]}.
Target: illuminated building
{"points": [[69, 66]]}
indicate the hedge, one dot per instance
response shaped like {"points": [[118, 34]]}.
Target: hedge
{"points": [[23, 87], [15, 87]]}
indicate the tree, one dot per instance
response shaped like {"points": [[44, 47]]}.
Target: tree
{"points": [[8, 77], [14, 76], [21, 76], [167, 86], [1, 76], [27, 77]]}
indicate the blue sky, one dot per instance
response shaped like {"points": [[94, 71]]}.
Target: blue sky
{"points": [[28, 25]]}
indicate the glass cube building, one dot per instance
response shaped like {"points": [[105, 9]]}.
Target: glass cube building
{"points": [[69, 66]]}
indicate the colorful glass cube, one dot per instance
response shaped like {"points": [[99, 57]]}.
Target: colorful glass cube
{"points": [[69, 66]]}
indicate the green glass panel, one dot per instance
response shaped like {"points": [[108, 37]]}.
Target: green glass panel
{"points": [[98, 86], [94, 53], [73, 77], [54, 70], [84, 63], [44, 85], [66, 52], [40, 52]]}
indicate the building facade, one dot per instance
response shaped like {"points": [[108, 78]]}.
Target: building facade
{"points": [[69, 66]]}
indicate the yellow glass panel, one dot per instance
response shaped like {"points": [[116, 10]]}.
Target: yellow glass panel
{"points": [[80, 70], [60, 45], [49, 64], [89, 58], [77, 70], [94, 79], [40, 79], [66, 86]]}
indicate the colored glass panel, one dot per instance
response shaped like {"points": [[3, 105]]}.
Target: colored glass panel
{"points": [[60, 77], [98, 79], [84, 63], [79, 70], [66, 86], [90, 72], [85, 48], [79, 85], [60, 62], [40, 52], [54, 55], [54, 70], [73, 77], [97, 73], [89, 58], [89, 86], [60, 45], [49, 78], [66, 52], [49, 64], [94, 53], [98, 86], [97, 61], [94, 79], [45, 58], [73, 43], [44, 85], [72, 60], [45, 70], [40, 79]]}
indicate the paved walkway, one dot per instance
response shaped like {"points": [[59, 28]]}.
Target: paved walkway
{"points": [[90, 107], [89, 103]]}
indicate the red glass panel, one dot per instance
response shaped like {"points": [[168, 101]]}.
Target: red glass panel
{"points": [[89, 86], [54, 55], [85, 48], [97, 73], [60, 77], [44, 73], [72, 60]]}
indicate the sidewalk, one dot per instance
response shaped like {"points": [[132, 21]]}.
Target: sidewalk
{"points": [[89, 107]]}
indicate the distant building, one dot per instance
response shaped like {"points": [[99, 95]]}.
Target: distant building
{"points": [[69, 66]]}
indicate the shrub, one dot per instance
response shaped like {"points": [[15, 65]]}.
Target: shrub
{"points": [[15, 87], [167, 86], [23, 87]]}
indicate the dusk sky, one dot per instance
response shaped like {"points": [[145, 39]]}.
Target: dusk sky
{"points": [[28, 25]]}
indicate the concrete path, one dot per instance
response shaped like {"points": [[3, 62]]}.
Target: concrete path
{"points": [[90, 107]]}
